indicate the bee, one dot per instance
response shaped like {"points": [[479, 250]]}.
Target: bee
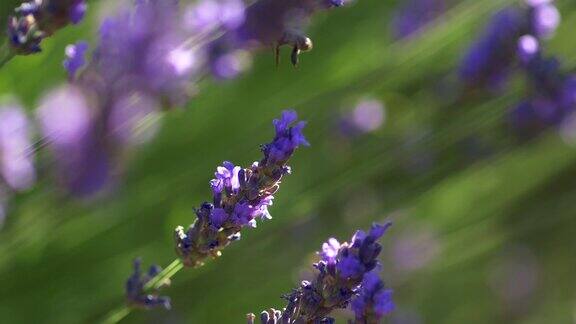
{"points": [[299, 43]]}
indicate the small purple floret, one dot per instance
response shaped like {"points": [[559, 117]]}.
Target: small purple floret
{"points": [[373, 301]]}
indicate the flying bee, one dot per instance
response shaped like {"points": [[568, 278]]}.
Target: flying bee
{"points": [[299, 43]]}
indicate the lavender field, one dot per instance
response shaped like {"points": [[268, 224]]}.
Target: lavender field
{"points": [[288, 161]]}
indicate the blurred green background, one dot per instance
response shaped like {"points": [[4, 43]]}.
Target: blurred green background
{"points": [[485, 225]]}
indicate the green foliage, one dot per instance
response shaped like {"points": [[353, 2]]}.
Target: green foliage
{"points": [[64, 261]]}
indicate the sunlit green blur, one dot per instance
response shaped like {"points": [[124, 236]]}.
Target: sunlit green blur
{"points": [[485, 225]]}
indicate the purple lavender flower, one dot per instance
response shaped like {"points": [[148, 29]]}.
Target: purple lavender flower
{"points": [[35, 20], [240, 196], [75, 58], [135, 55], [488, 61], [512, 31], [16, 151], [414, 15], [552, 97], [373, 301], [135, 292], [136, 67], [340, 276], [492, 57]]}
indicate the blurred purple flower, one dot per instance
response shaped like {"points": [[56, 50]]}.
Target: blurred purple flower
{"points": [[552, 97], [135, 55], [491, 58], [414, 15], [67, 122], [16, 148], [114, 103], [209, 15], [240, 196]]}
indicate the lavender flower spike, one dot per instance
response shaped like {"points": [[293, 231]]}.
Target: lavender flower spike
{"points": [[240, 196], [135, 294], [340, 276], [35, 20], [492, 57]]}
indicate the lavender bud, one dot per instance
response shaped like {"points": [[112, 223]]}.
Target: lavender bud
{"points": [[136, 295]]}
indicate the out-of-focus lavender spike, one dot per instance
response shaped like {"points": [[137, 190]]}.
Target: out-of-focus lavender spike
{"points": [[136, 295], [135, 55], [552, 96], [414, 15], [35, 20], [16, 148], [373, 300], [488, 61], [68, 124], [345, 270], [114, 103], [492, 57], [240, 196]]}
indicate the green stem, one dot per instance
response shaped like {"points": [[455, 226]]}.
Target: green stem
{"points": [[165, 275], [116, 315], [157, 282], [6, 54]]}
